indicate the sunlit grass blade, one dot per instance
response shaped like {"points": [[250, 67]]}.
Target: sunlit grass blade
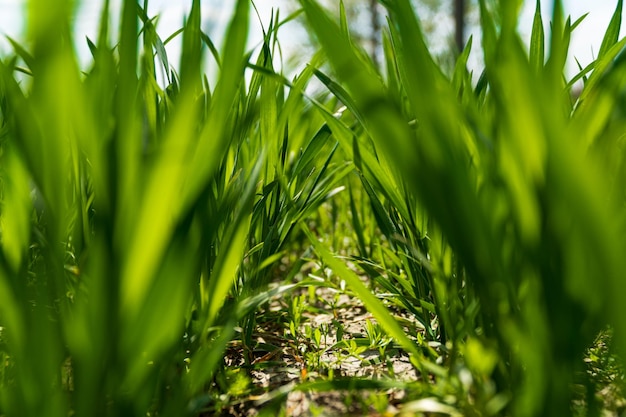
{"points": [[213, 138], [537, 40], [461, 77], [489, 35], [611, 35]]}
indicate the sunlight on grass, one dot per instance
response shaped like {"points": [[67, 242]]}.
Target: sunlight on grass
{"points": [[410, 239]]}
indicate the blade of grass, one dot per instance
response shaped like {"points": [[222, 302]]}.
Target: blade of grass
{"points": [[537, 41], [612, 32]]}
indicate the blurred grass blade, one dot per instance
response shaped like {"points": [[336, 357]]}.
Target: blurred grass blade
{"points": [[28, 59], [191, 56], [15, 226]]}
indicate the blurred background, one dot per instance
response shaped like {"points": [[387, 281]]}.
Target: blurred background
{"points": [[447, 23]]}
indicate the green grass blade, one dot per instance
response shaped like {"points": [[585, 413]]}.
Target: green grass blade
{"points": [[214, 137], [28, 59], [537, 41], [17, 205], [489, 35], [611, 35], [191, 56]]}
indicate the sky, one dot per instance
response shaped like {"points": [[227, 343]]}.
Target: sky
{"points": [[586, 39]]}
